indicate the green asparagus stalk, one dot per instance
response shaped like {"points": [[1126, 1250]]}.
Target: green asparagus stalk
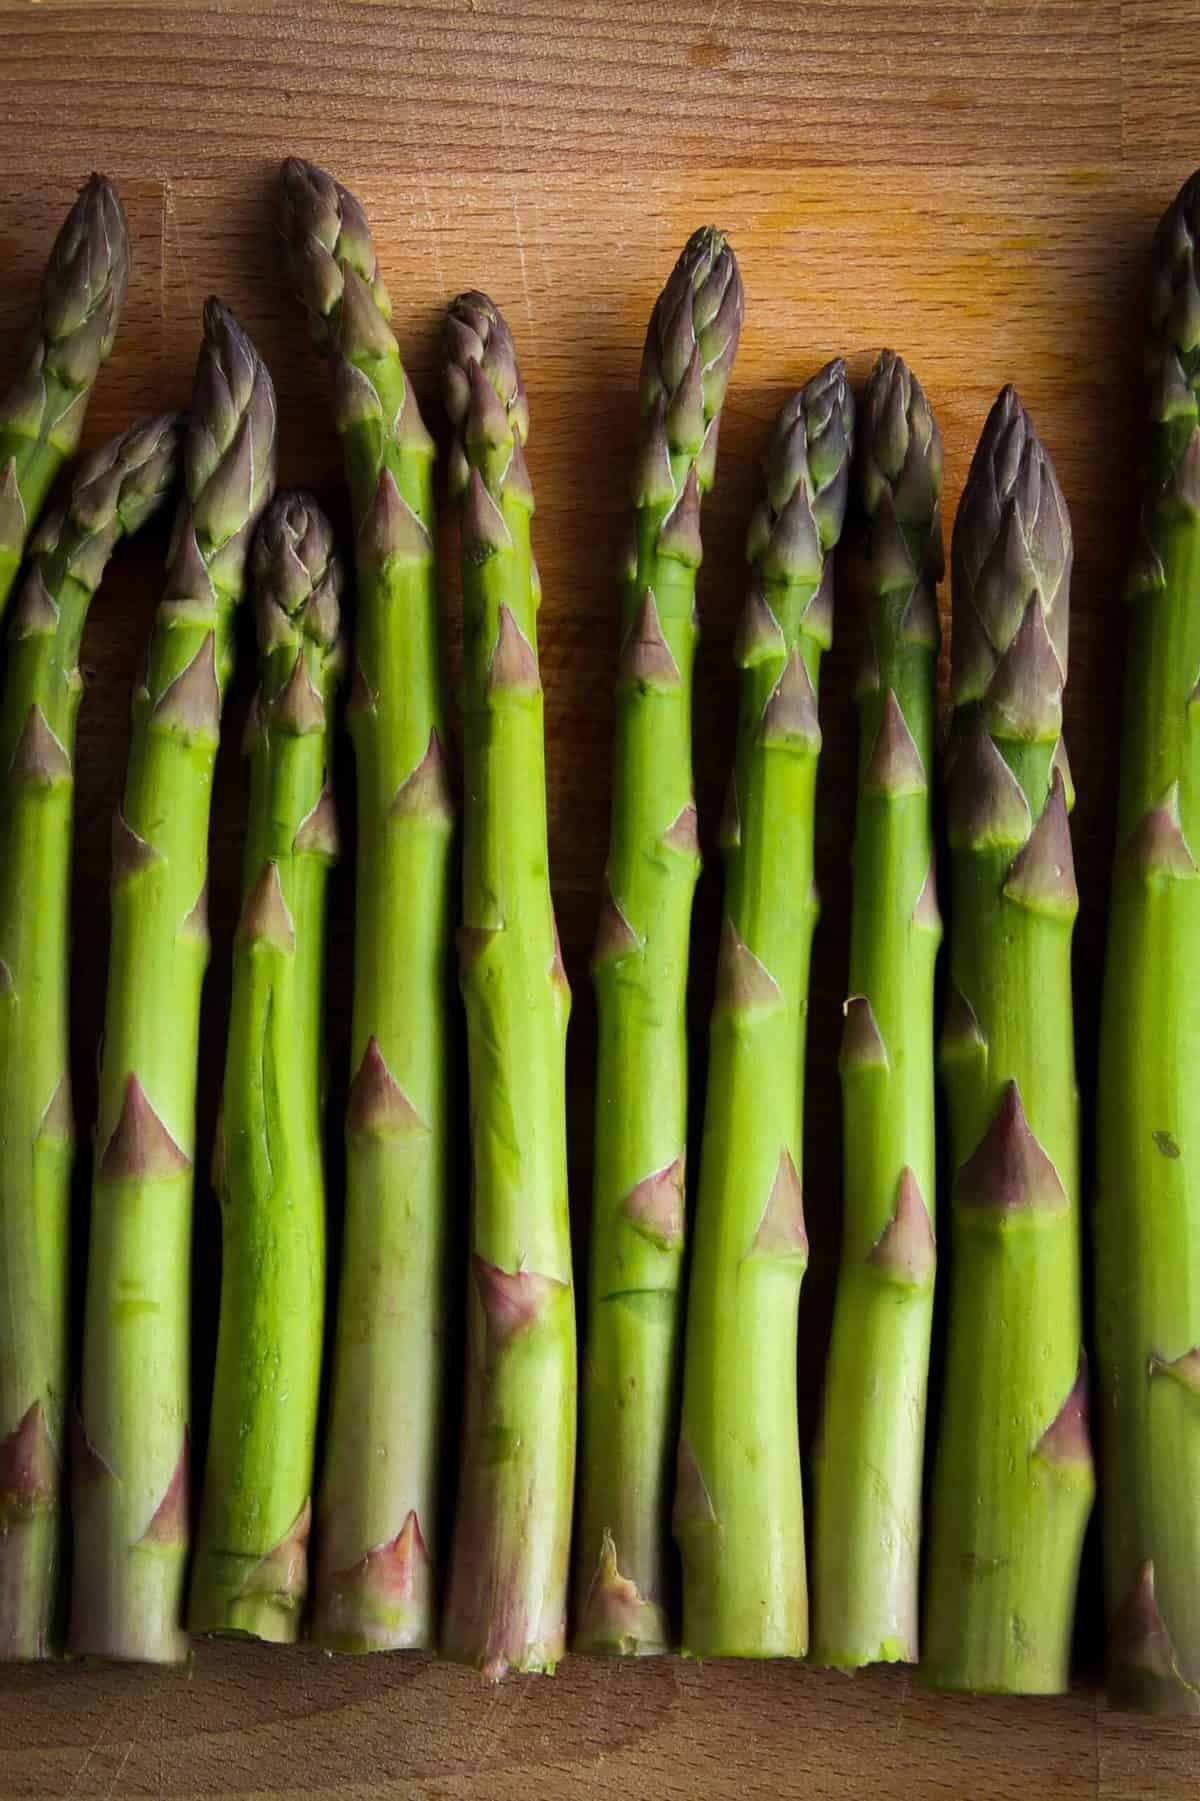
{"points": [[41, 416], [1013, 1481], [635, 1318], [381, 1501], [114, 491], [250, 1573], [1147, 1205], [869, 1458], [506, 1601], [130, 1463], [739, 1516]]}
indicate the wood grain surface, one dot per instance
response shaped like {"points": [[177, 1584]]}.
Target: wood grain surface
{"points": [[973, 183]]}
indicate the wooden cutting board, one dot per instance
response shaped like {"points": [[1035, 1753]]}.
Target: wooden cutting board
{"points": [[973, 183]]}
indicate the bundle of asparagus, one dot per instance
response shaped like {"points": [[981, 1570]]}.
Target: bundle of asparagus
{"points": [[1012, 1482]]}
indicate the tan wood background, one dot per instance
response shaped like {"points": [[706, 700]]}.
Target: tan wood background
{"points": [[971, 181]]}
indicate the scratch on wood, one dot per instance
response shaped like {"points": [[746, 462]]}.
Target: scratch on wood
{"points": [[88, 1755], [162, 272], [120, 1770], [516, 213], [135, 1739], [434, 237], [170, 229]]}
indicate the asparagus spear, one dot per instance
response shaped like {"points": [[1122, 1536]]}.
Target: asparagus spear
{"points": [[130, 1463], [738, 1504], [1147, 1205], [506, 1601], [114, 491], [381, 1500], [250, 1573], [41, 416], [635, 1320], [1013, 1481], [868, 1464]]}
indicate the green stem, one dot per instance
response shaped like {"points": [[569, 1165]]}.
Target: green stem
{"points": [[1147, 1202], [739, 1513], [130, 1469], [249, 1575], [624, 1577], [382, 1491], [506, 1600], [869, 1458], [113, 493], [1013, 1478]]}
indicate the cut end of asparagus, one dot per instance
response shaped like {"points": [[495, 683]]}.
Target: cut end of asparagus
{"points": [[261, 1598], [1012, 551], [1143, 1669], [30, 1539], [691, 344], [383, 1602], [617, 1620]]}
